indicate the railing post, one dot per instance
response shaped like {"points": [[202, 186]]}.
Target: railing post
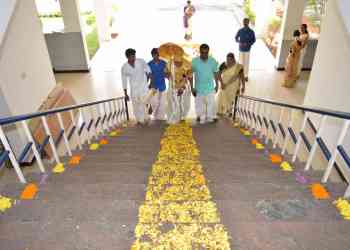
{"points": [[335, 151], [83, 118], [116, 108], [126, 110], [76, 129], [279, 122], [65, 139], [267, 112], [254, 117], [314, 146], [258, 115], [111, 108], [262, 111], [297, 146], [12, 156], [101, 111], [51, 140], [290, 124], [95, 133], [34, 148], [235, 106]]}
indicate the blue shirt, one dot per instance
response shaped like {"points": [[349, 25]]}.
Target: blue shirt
{"points": [[246, 38], [158, 74], [204, 73]]}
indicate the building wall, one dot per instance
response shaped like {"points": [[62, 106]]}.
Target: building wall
{"points": [[26, 75], [329, 85]]}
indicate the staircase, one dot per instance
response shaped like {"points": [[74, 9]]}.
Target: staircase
{"points": [[95, 205]]}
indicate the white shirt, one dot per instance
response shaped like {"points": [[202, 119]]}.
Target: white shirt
{"points": [[136, 76]]}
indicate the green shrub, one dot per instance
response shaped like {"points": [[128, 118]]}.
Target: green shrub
{"points": [[92, 42], [91, 19], [247, 8], [51, 15]]}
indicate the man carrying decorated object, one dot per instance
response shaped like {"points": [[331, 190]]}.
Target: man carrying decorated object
{"points": [[136, 72], [179, 93], [205, 69]]}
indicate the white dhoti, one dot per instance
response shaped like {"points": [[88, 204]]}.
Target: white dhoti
{"points": [[178, 106], [157, 102], [244, 58], [206, 107], [139, 107]]}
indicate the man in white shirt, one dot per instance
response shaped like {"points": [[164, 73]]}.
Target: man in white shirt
{"points": [[136, 72]]}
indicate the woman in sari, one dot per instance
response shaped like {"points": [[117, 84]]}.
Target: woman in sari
{"points": [[189, 10], [232, 83], [304, 39], [292, 62]]}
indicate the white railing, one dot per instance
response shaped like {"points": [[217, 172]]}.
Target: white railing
{"points": [[257, 115], [103, 116]]}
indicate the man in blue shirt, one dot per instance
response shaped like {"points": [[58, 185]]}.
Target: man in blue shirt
{"points": [[205, 69], [246, 38], [157, 85]]}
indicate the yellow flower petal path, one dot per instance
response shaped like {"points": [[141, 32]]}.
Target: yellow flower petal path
{"points": [[178, 212]]}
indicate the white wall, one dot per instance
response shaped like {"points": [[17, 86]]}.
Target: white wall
{"points": [[6, 10], [344, 8], [26, 75], [329, 85]]}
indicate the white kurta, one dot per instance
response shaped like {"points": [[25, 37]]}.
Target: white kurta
{"points": [[137, 79]]}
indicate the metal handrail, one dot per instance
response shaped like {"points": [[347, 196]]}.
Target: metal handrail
{"points": [[109, 113], [17, 118], [255, 114], [329, 112]]}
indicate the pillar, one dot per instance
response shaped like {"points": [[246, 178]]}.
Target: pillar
{"points": [[102, 20], [71, 15], [292, 19], [329, 87]]}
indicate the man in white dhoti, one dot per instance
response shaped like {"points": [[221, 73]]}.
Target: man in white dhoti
{"points": [[246, 38], [179, 93], [157, 96], [205, 69], [136, 72]]}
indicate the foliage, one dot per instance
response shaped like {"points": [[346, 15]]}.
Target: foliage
{"points": [[247, 7], [90, 19], [54, 14], [92, 42], [275, 23]]}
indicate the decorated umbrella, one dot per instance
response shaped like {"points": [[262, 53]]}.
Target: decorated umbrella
{"points": [[169, 50]]}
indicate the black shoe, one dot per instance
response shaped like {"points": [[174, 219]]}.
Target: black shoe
{"points": [[246, 79]]}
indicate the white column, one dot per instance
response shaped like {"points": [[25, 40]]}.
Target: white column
{"points": [[102, 20], [71, 15], [329, 86], [292, 19]]}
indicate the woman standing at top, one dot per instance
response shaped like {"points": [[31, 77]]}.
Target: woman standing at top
{"points": [[304, 39], [292, 62], [189, 11]]}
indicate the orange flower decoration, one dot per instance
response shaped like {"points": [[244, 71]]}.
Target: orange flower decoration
{"points": [[275, 158], [29, 192], [319, 192], [103, 142], [255, 141], [75, 160]]}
